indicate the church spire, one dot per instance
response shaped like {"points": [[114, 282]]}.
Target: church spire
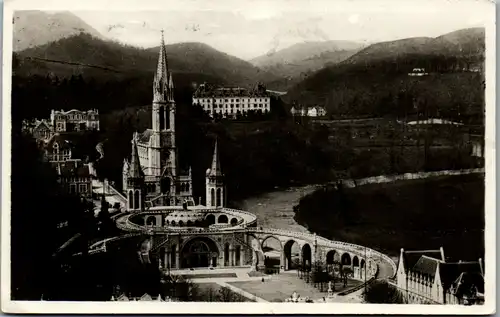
{"points": [[135, 170], [161, 78], [215, 169]]}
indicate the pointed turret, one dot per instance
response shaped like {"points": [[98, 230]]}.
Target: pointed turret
{"points": [[215, 190], [135, 170], [215, 169]]}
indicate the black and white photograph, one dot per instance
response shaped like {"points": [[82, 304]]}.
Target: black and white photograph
{"points": [[270, 154]]}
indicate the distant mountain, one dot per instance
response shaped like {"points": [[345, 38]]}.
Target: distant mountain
{"points": [[375, 80], [465, 42], [104, 59], [298, 61], [303, 51], [33, 28]]}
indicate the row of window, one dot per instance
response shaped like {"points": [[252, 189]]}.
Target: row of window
{"points": [[76, 117], [230, 111], [82, 188], [237, 106], [209, 100], [75, 179]]}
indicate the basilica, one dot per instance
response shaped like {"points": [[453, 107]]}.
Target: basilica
{"points": [[153, 176]]}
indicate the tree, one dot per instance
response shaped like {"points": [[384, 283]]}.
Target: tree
{"points": [[227, 295], [381, 292], [43, 218]]}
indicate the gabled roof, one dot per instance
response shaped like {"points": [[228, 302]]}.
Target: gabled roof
{"points": [[410, 258], [122, 298], [146, 297], [41, 124], [426, 265], [451, 272], [63, 140]]}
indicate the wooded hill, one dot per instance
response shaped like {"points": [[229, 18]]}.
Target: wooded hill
{"points": [[375, 81]]}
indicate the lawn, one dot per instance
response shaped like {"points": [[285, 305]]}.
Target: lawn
{"points": [[211, 292], [282, 286]]}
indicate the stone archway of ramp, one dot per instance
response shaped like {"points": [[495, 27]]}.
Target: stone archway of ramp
{"points": [[242, 292]]}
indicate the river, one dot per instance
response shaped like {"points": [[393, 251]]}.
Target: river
{"points": [[275, 209]]}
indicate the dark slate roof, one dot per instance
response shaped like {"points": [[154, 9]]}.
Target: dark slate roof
{"points": [[215, 169], [450, 272], [466, 280], [212, 92], [42, 124], [135, 170], [411, 258], [426, 265]]}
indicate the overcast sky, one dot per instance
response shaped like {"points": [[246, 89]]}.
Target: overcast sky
{"points": [[253, 28]]}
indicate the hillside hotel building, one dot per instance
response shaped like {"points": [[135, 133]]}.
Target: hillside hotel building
{"points": [[229, 102]]}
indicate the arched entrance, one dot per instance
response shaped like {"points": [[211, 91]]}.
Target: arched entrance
{"points": [[330, 257], [271, 246], [223, 219], [346, 259], [210, 219], [199, 252], [234, 221], [306, 255], [292, 255]]}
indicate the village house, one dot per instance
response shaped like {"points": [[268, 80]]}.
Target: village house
{"points": [[75, 177], [426, 277], [304, 111], [74, 120]]}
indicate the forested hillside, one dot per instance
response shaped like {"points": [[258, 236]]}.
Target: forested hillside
{"points": [[375, 81]]}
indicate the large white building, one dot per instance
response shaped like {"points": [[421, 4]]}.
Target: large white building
{"points": [[426, 277], [229, 102], [74, 120]]}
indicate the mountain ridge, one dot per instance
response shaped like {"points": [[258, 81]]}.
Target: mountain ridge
{"points": [[192, 57], [34, 28]]}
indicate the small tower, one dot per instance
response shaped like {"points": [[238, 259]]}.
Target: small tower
{"points": [[135, 181], [215, 190]]}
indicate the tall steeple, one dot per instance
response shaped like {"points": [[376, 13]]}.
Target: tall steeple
{"points": [[161, 78]]}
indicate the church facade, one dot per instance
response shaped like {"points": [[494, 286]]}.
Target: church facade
{"points": [[153, 176]]}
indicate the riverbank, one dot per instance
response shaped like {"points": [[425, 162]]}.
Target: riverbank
{"points": [[276, 210], [427, 213]]}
